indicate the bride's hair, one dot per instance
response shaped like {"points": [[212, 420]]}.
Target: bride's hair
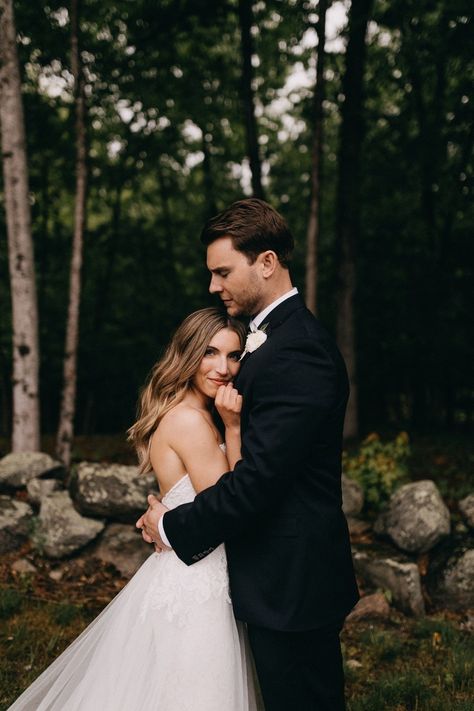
{"points": [[171, 377]]}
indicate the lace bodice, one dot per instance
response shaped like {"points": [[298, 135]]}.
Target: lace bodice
{"points": [[181, 493], [176, 587]]}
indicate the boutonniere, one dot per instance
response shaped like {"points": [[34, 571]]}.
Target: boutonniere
{"points": [[254, 340]]}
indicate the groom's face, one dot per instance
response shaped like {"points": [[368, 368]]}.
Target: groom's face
{"points": [[238, 283]]}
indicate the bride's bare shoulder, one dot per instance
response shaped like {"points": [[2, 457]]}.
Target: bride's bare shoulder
{"points": [[184, 420]]}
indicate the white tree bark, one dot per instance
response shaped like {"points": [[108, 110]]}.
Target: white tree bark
{"points": [[68, 402], [26, 420]]}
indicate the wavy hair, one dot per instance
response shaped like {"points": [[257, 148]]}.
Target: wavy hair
{"points": [[171, 377]]}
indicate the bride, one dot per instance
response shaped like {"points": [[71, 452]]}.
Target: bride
{"points": [[168, 641]]}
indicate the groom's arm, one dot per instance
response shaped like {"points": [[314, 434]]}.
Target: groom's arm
{"points": [[293, 397]]}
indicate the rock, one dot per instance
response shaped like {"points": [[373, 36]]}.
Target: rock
{"points": [[468, 623], [353, 664], [123, 546], [357, 527], [417, 517], [450, 577], [39, 488], [23, 567], [352, 496], [370, 607], [17, 468], [466, 507], [394, 573], [61, 529], [114, 491], [15, 523]]}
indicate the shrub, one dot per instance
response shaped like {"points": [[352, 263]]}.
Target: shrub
{"points": [[10, 603], [378, 467]]}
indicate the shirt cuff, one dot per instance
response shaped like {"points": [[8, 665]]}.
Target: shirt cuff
{"points": [[161, 531]]}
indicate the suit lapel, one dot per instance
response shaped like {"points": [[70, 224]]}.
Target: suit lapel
{"points": [[275, 318]]}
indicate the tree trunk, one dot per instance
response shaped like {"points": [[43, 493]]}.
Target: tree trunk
{"points": [[248, 100], [26, 419], [348, 197], [68, 401], [314, 223]]}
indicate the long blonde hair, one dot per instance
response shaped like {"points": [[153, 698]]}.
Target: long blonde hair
{"points": [[171, 376]]}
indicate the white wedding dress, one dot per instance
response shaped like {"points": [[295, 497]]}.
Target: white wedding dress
{"points": [[167, 642]]}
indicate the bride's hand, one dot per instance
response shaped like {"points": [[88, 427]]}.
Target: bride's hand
{"points": [[228, 404]]}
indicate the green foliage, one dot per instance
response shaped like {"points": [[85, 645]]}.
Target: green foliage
{"points": [[385, 646], [10, 603], [65, 613], [379, 467], [408, 691], [417, 665], [155, 70]]}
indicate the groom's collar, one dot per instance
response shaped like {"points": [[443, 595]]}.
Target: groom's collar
{"points": [[264, 315], [282, 311]]}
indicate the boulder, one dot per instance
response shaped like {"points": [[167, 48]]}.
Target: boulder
{"points": [[466, 507], [370, 607], [23, 567], [111, 490], [39, 488], [17, 468], [416, 518], [123, 546], [61, 530], [352, 496], [394, 573], [450, 577], [15, 523]]}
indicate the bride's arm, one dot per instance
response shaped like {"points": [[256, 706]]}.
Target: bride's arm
{"points": [[192, 438], [228, 403]]}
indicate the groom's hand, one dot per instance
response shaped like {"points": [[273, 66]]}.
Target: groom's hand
{"points": [[149, 523]]}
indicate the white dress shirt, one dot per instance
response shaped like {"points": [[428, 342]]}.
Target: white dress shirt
{"points": [[253, 326]]}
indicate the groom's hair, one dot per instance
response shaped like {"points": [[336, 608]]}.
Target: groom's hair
{"points": [[254, 226]]}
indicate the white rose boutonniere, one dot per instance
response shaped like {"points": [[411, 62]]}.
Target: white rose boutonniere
{"points": [[255, 339]]}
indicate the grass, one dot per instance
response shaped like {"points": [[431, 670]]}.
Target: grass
{"points": [[405, 665], [31, 637], [410, 665]]}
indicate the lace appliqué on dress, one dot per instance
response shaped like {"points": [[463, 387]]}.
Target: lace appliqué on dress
{"points": [[177, 588]]}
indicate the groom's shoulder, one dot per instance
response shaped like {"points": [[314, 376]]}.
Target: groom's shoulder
{"points": [[305, 326]]}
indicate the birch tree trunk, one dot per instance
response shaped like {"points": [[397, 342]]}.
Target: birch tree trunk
{"points": [[314, 222], [68, 401], [248, 99], [26, 418], [348, 198]]}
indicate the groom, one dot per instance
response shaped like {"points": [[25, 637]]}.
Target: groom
{"points": [[279, 512]]}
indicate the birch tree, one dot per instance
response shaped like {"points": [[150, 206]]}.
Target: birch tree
{"points": [[26, 418], [68, 401]]}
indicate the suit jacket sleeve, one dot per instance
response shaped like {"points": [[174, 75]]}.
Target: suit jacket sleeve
{"points": [[292, 397]]}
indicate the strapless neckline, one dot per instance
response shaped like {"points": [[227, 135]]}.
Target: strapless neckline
{"points": [[178, 484]]}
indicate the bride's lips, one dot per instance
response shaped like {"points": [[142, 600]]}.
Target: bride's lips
{"points": [[219, 382]]}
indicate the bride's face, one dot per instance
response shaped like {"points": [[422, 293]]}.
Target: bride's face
{"points": [[220, 363]]}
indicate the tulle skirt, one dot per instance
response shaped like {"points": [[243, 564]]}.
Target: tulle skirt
{"points": [[167, 642]]}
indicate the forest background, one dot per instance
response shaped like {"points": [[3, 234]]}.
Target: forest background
{"points": [[188, 106]]}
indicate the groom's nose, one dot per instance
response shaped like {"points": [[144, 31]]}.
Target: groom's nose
{"points": [[215, 287]]}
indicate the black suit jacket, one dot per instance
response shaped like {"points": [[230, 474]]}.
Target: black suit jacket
{"points": [[280, 510]]}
